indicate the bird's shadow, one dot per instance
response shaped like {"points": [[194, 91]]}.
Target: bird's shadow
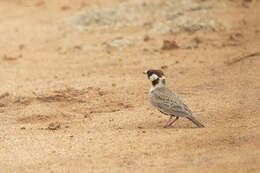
{"points": [[158, 125]]}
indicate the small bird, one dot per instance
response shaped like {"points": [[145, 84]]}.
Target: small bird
{"points": [[166, 101]]}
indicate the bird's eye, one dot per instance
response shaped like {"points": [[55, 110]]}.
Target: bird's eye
{"points": [[149, 73]]}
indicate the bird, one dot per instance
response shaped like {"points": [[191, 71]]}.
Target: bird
{"points": [[166, 101]]}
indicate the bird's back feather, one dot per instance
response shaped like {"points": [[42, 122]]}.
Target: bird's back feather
{"points": [[168, 102]]}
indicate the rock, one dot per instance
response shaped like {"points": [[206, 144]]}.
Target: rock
{"points": [[169, 45], [164, 67], [147, 38], [54, 126], [6, 94], [160, 17]]}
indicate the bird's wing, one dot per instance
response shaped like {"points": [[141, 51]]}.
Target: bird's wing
{"points": [[168, 102]]}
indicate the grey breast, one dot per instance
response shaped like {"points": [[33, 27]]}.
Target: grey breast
{"points": [[168, 102]]}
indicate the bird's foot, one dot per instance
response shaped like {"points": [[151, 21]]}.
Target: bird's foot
{"points": [[166, 125]]}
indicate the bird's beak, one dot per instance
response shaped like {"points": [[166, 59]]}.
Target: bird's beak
{"points": [[145, 72]]}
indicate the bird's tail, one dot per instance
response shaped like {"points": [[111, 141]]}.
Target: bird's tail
{"points": [[191, 118]]}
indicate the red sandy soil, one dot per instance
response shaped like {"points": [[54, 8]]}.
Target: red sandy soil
{"points": [[68, 103]]}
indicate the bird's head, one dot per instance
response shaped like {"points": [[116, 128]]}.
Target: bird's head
{"points": [[155, 76]]}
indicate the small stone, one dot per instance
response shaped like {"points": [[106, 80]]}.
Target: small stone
{"points": [[21, 47], [147, 38], [164, 67], [101, 93], [77, 47], [6, 94], [2, 105], [54, 126], [197, 40], [64, 8], [190, 47], [169, 45]]}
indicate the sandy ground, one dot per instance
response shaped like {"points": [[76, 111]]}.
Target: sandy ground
{"points": [[73, 97]]}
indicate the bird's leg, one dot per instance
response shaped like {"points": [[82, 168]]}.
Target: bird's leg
{"points": [[167, 124], [173, 121]]}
